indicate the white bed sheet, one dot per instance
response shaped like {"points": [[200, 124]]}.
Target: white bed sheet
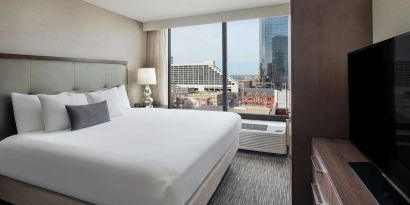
{"points": [[148, 156]]}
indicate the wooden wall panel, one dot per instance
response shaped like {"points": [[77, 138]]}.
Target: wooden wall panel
{"points": [[323, 32]]}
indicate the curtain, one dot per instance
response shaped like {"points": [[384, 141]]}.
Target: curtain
{"points": [[157, 57]]}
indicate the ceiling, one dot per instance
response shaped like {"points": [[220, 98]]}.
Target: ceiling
{"points": [[151, 10]]}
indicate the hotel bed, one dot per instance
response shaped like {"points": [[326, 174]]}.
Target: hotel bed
{"points": [[146, 156], [149, 156]]}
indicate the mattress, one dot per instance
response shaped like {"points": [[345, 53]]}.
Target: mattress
{"points": [[148, 156]]}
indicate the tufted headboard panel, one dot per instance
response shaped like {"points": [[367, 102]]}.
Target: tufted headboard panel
{"points": [[49, 75]]}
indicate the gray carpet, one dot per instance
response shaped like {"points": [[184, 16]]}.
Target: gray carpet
{"points": [[255, 178]]}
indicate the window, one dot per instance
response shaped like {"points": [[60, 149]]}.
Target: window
{"points": [[256, 80], [258, 63], [196, 67]]}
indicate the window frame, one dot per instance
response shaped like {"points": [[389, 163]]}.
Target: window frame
{"points": [[224, 81]]}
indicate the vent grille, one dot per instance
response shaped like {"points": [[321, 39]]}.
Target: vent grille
{"points": [[258, 127], [263, 142]]}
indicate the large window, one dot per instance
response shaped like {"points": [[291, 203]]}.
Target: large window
{"points": [[258, 62], [255, 75], [196, 67]]}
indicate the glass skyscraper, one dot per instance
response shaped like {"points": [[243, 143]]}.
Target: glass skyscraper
{"points": [[280, 61], [273, 50]]}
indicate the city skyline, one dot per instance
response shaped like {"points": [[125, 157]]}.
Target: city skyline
{"points": [[273, 45], [243, 45], [257, 60]]}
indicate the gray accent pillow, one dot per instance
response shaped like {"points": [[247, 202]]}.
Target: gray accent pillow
{"points": [[82, 116]]}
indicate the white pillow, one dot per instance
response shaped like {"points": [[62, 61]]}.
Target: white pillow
{"points": [[112, 98], [124, 100], [55, 115], [27, 113]]}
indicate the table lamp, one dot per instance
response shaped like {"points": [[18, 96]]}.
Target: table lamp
{"points": [[146, 76]]}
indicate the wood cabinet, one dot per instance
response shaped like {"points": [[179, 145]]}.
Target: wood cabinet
{"points": [[334, 182]]}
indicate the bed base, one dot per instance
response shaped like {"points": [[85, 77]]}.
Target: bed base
{"points": [[21, 193]]}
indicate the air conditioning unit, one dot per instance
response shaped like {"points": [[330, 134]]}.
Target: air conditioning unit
{"points": [[263, 136]]}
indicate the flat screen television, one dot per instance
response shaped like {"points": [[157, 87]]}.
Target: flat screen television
{"points": [[379, 107]]}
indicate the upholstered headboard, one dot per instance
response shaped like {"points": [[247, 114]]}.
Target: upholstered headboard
{"points": [[49, 75]]}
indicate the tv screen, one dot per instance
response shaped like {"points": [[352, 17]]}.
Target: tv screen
{"points": [[379, 105]]}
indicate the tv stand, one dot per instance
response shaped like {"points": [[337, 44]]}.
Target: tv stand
{"points": [[334, 181], [377, 184], [342, 175]]}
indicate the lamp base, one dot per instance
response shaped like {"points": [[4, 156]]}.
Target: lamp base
{"points": [[148, 100]]}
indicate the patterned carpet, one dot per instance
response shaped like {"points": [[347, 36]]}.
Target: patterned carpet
{"points": [[255, 179]]}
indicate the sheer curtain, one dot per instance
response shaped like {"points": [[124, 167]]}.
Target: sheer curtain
{"points": [[157, 57]]}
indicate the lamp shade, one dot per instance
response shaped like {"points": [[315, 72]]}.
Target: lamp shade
{"points": [[146, 76]]}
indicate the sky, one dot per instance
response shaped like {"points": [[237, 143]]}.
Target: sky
{"points": [[195, 44]]}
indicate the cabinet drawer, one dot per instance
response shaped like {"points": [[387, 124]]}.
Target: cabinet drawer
{"points": [[324, 188], [336, 199], [321, 179], [317, 197]]}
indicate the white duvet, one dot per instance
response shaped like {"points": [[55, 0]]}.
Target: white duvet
{"points": [[148, 156]]}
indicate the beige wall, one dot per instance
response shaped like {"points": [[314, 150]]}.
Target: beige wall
{"points": [[258, 12], [390, 18], [72, 28]]}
